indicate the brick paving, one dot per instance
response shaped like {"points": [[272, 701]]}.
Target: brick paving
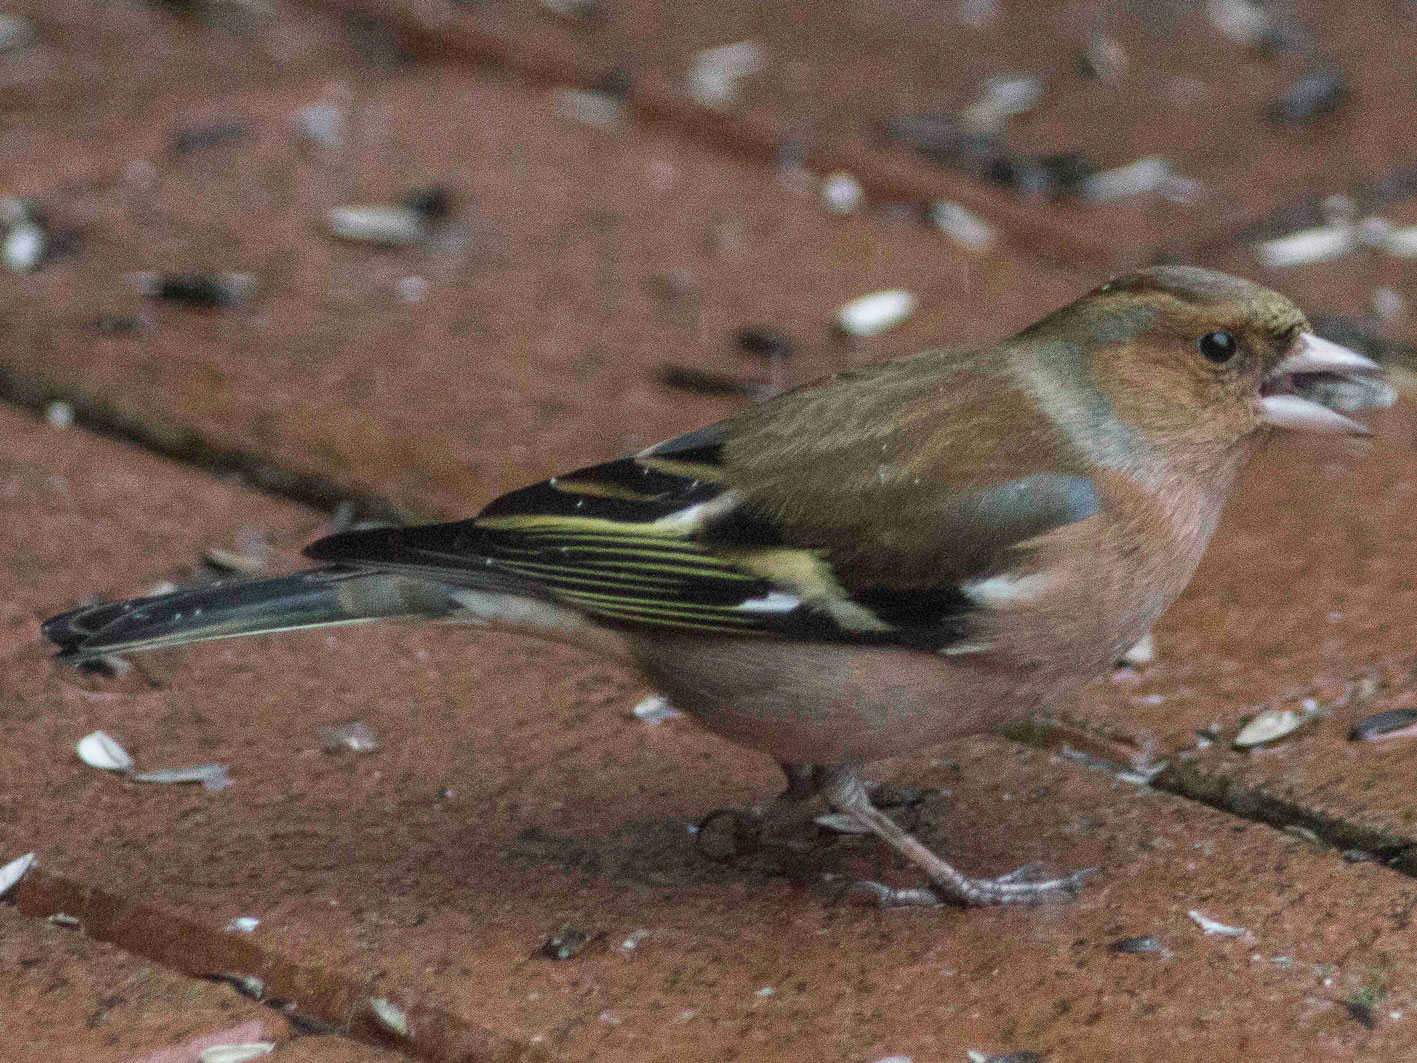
{"points": [[513, 792]]}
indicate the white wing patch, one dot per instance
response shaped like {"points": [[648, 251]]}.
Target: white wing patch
{"points": [[772, 602], [1007, 590]]}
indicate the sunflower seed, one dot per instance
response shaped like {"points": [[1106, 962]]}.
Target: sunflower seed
{"points": [[389, 1015], [25, 245], [1267, 726], [1387, 303], [1242, 21], [715, 73], [1138, 178], [655, 709], [353, 737], [1381, 234], [59, 414], [1395, 723], [98, 750], [842, 193], [237, 1053], [965, 227], [322, 123], [1310, 98], [379, 225], [875, 313], [1215, 926], [567, 942], [1308, 245], [64, 919], [202, 291], [15, 870], [413, 289], [1002, 98], [599, 110], [1145, 943], [1102, 58], [211, 776]]}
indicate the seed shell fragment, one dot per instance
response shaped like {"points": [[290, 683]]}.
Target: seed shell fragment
{"points": [[1395, 723], [1268, 726], [15, 870], [99, 750]]}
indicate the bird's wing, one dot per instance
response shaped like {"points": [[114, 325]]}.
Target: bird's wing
{"points": [[689, 535]]}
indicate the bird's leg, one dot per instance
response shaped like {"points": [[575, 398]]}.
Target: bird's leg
{"points": [[726, 833], [844, 791]]}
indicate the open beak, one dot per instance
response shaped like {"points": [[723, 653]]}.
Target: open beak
{"points": [[1317, 383]]}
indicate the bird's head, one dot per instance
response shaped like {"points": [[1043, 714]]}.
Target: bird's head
{"points": [[1193, 356]]}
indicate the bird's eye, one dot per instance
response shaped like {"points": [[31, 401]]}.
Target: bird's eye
{"points": [[1219, 347]]}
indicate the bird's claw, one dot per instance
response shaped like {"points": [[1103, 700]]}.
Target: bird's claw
{"points": [[726, 834], [1016, 887]]}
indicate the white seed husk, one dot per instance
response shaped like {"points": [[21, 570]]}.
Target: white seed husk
{"points": [[353, 737], [962, 225], [99, 750], [1147, 174], [243, 924], [380, 225], [389, 1015], [24, 247], [1268, 726], [1387, 303], [322, 123], [1215, 926], [1399, 243], [237, 1053], [15, 870], [1242, 21], [212, 776], [654, 709], [600, 110], [842, 193], [714, 74], [875, 313], [1308, 245], [59, 414]]}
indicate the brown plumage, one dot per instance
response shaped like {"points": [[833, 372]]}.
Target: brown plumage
{"points": [[870, 564]]}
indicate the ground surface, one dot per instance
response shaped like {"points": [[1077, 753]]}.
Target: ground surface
{"points": [[404, 896]]}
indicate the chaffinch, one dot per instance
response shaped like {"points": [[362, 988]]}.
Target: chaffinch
{"points": [[870, 564]]}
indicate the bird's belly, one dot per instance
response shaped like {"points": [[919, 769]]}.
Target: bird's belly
{"points": [[826, 703]]}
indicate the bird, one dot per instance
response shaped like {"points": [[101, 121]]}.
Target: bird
{"points": [[871, 564]]}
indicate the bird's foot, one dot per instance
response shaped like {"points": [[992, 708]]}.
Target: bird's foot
{"points": [[727, 834], [1014, 888], [845, 792]]}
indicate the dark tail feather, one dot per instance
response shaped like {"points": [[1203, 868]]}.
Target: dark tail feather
{"points": [[316, 598]]}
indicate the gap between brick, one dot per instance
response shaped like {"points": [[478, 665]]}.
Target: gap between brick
{"points": [[317, 999]]}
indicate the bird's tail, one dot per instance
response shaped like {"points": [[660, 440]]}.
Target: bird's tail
{"points": [[317, 598]]}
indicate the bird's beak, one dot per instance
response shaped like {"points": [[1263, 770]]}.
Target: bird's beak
{"points": [[1317, 383]]}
